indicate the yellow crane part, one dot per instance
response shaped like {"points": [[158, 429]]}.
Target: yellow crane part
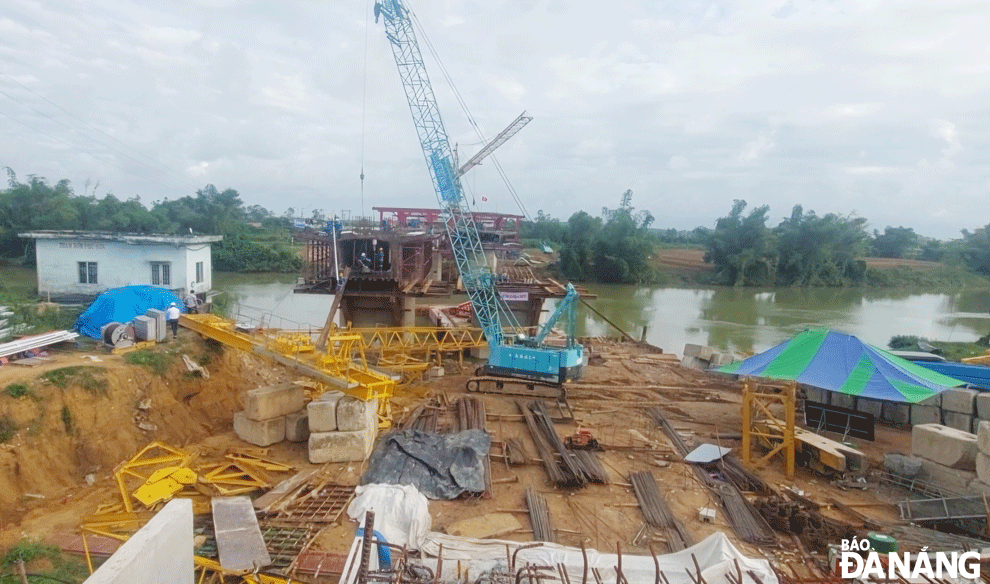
{"points": [[342, 366]]}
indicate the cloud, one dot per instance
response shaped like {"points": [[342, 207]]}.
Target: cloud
{"points": [[839, 105], [757, 148]]}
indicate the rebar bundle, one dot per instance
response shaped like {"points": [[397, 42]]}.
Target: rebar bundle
{"points": [[560, 466], [656, 511], [539, 516], [745, 520]]}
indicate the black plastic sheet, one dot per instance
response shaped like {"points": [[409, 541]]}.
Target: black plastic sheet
{"points": [[441, 466]]}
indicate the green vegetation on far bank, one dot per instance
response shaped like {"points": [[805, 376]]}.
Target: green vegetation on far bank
{"points": [[952, 351], [255, 240]]}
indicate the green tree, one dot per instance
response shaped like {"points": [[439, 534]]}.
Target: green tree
{"points": [[743, 248], [894, 242], [974, 249], [820, 251]]}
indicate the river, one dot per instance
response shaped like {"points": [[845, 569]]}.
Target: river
{"points": [[739, 319]]}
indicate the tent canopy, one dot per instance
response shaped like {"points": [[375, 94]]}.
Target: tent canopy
{"points": [[842, 363], [122, 305]]}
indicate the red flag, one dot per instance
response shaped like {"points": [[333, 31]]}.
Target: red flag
{"points": [[484, 199]]}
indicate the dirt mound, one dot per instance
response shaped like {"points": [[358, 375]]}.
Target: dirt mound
{"points": [[79, 416]]}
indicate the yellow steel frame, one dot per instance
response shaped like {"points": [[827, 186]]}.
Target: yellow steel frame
{"points": [[766, 426], [139, 465], [431, 342], [342, 366]]}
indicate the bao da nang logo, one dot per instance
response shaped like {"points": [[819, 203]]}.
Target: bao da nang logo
{"points": [[858, 561]]}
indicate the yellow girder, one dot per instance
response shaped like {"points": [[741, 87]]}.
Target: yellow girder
{"points": [[341, 367]]}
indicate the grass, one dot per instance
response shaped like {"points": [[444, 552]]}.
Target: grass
{"points": [[62, 568], [7, 429], [67, 419], [18, 390], [941, 276], [89, 378], [951, 351], [157, 361]]}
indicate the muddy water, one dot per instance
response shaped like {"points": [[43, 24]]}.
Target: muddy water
{"points": [[727, 318]]}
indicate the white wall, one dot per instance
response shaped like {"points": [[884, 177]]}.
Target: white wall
{"points": [[118, 264], [199, 253], [161, 552]]}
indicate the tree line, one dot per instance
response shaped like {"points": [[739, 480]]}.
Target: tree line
{"points": [[804, 249], [254, 240]]}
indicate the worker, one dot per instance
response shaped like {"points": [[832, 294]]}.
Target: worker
{"points": [[380, 258], [172, 316], [191, 302], [364, 262]]}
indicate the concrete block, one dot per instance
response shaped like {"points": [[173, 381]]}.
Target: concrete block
{"points": [[434, 372], [694, 363], [355, 415], [983, 405], [145, 328], [869, 406], [983, 437], [266, 403], [159, 553], [979, 487], [322, 416], [925, 414], [297, 426], [341, 446], [259, 433], [961, 422], [482, 352], [950, 480], [843, 400], [895, 413], [961, 401], [946, 446], [698, 351], [160, 325], [983, 467]]}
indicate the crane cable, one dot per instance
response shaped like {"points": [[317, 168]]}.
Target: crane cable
{"points": [[364, 103], [467, 112]]}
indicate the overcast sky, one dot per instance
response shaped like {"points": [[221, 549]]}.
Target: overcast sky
{"points": [[875, 107]]}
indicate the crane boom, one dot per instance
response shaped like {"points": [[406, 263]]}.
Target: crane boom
{"points": [[463, 233], [527, 359], [497, 141]]}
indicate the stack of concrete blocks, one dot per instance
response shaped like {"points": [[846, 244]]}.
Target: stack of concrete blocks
{"points": [[267, 410], [342, 428], [948, 456], [702, 358], [159, 317], [958, 408]]}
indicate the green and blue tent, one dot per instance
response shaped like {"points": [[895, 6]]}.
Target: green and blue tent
{"points": [[842, 363]]}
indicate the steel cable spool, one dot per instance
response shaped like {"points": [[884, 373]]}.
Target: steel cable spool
{"points": [[116, 332]]}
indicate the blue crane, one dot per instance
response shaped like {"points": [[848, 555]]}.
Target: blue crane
{"points": [[527, 359]]}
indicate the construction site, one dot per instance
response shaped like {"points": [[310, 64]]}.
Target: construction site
{"points": [[447, 424]]}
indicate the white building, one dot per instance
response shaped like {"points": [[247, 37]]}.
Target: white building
{"points": [[85, 263]]}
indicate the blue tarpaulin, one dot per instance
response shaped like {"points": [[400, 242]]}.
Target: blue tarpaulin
{"points": [[122, 305]]}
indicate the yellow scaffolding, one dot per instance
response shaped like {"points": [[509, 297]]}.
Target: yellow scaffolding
{"points": [[759, 422]]}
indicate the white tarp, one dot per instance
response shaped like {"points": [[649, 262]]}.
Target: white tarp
{"points": [[402, 513], [402, 516], [716, 556]]}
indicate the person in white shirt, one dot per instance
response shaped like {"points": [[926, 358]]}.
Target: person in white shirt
{"points": [[172, 316]]}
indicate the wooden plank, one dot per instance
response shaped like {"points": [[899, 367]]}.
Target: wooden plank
{"points": [[239, 541]]}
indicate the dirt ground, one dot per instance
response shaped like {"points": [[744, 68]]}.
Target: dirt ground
{"points": [[43, 469]]}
